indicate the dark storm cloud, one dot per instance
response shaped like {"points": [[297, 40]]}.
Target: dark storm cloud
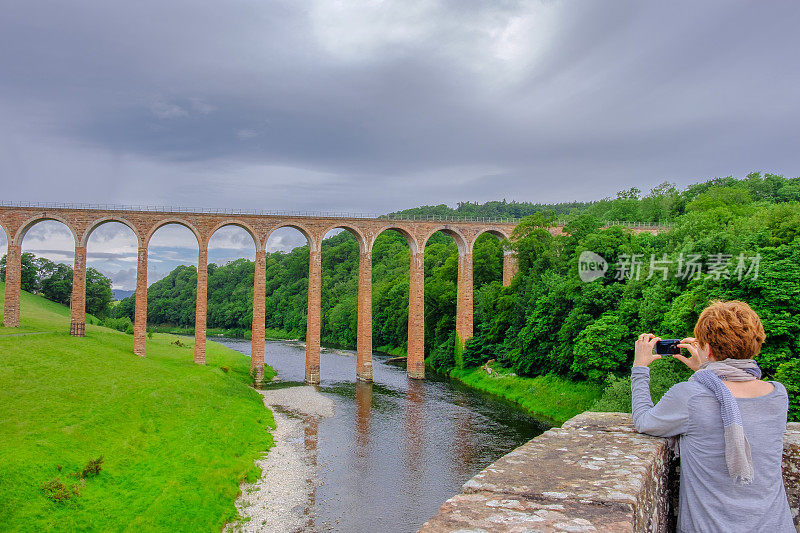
{"points": [[622, 84], [372, 107]]}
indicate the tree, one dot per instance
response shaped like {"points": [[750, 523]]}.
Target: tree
{"points": [[98, 293], [57, 286], [29, 272]]}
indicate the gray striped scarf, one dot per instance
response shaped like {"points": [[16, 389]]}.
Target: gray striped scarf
{"points": [[737, 449]]}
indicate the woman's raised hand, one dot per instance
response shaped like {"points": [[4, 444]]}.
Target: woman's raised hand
{"points": [[697, 358], [644, 355]]}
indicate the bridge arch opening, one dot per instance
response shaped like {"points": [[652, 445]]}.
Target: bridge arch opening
{"points": [[293, 290], [111, 252], [442, 252], [115, 220], [391, 256], [3, 258], [487, 258], [172, 251], [3, 245], [50, 223], [341, 250], [47, 254], [287, 282], [231, 252], [489, 267]]}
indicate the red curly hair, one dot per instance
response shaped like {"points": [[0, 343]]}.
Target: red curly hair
{"points": [[732, 329]]}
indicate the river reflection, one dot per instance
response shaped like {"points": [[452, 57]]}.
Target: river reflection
{"points": [[397, 448]]}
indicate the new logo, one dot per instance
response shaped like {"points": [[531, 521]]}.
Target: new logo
{"points": [[591, 266]]}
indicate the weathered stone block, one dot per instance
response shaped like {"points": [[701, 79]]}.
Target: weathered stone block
{"points": [[791, 469], [496, 512], [620, 470], [595, 473]]}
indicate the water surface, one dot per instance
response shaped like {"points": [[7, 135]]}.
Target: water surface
{"points": [[397, 448]]}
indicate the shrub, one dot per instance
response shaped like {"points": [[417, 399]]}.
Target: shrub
{"points": [[58, 491], [443, 356], [616, 395], [92, 468], [664, 373], [477, 352], [120, 324]]}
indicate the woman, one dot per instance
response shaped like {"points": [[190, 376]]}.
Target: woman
{"points": [[729, 422]]}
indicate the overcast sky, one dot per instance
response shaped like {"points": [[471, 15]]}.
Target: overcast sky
{"points": [[374, 106]]}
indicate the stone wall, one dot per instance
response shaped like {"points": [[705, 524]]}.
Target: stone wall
{"points": [[595, 473]]}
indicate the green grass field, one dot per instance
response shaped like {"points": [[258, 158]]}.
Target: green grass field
{"points": [[177, 438], [551, 397]]}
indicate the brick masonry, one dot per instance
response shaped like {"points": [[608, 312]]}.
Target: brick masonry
{"points": [[11, 310], [17, 220], [201, 305], [78, 300], [313, 318], [415, 363], [259, 317], [464, 305], [510, 267], [364, 333], [140, 309]]}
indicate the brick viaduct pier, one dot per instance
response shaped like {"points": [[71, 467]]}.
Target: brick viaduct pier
{"points": [[16, 220]]}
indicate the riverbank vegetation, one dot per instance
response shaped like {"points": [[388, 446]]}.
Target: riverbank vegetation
{"points": [[175, 438], [549, 397]]}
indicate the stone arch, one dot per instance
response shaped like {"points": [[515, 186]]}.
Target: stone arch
{"points": [[501, 236], [410, 238], [84, 240], [464, 246], [307, 233], [354, 231], [240, 224], [163, 222], [4, 232], [41, 218]]}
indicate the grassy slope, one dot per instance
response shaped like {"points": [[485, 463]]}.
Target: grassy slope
{"points": [[177, 437], [549, 396]]}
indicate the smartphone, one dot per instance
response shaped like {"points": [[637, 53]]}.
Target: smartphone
{"points": [[668, 346]]}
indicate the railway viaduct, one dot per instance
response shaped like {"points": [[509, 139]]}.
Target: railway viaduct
{"points": [[16, 220]]}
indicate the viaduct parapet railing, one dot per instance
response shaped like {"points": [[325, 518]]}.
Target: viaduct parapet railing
{"points": [[83, 219], [595, 473]]}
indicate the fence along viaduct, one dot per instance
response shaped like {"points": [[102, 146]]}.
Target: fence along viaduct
{"points": [[17, 220]]}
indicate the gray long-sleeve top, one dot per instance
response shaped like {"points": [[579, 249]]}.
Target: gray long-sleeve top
{"points": [[709, 500]]}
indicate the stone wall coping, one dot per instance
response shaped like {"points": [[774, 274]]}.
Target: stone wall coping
{"points": [[595, 473]]}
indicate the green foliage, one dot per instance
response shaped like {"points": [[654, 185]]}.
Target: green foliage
{"points": [[123, 324], [550, 397], [601, 347], [550, 321], [789, 374], [664, 373], [54, 281]]}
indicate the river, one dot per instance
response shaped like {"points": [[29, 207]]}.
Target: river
{"points": [[396, 448]]}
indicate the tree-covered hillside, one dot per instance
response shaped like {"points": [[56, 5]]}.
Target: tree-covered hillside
{"points": [[729, 238]]}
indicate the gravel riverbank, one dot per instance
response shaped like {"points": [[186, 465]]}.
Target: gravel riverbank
{"points": [[281, 499]]}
